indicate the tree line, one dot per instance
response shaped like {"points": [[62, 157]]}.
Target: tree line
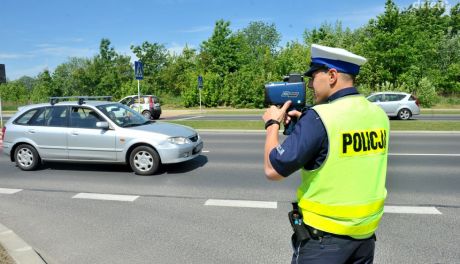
{"points": [[414, 49]]}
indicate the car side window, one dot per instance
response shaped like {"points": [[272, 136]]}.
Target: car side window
{"points": [[56, 116], [125, 101], [395, 97], [375, 98], [27, 117], [82, 117]]}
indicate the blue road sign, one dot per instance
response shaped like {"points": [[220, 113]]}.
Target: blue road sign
{"points": [[200, 82], [139, 70]]}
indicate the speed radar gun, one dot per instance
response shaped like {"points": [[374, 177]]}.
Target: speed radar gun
{"points": [[291, 88]]}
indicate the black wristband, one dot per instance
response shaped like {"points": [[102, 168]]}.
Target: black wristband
{"points": [[271, 122]]}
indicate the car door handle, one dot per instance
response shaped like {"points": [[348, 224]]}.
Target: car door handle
{"points": [[31, 131], [74, 133]]}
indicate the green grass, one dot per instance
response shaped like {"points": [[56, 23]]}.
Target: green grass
{"points": [[395, 125]]}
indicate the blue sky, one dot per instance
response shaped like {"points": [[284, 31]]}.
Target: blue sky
{"points": [[37, 35]]}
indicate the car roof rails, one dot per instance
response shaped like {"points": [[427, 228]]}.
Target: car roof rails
{"points": [[81, 99]]}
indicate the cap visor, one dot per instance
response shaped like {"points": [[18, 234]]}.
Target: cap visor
{"points": [[312, 69]]}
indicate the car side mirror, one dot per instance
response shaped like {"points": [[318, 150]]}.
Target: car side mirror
{"points": [[102, 124]]}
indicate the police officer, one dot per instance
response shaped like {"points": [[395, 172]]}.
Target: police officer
{"points": [[341, 147]]}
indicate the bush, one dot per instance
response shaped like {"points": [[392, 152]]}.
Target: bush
{"points": [[426, 93]]}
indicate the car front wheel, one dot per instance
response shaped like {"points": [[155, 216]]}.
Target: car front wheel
{"points": [[144, 160], [404, 114], [26, 157]]}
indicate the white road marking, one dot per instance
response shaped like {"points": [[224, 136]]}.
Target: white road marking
{"points": [[242, 203], [411, 210], [423, 154], [274, 205], [187, 118], [109, 197], [9, 191], [205, 151]]}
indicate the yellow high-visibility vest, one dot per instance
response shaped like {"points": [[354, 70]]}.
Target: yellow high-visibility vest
{"points": [[345, 195]]}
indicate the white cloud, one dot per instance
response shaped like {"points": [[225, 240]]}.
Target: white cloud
{"points": [[12, 56], [63, 51]]}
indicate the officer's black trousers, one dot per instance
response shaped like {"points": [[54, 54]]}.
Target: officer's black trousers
{"points": [[334, 249]]}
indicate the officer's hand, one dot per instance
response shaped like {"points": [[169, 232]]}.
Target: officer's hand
{"points": [[276, 113], [292, 114]]}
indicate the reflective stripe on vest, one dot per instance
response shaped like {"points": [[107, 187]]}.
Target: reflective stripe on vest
{"points": [[343, 211], [346, 194]]}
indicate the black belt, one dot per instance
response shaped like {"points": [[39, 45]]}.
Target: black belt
{"points": [[319, 234]]}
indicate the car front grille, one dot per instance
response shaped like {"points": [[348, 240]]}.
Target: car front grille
{"points": [[194, 138]]}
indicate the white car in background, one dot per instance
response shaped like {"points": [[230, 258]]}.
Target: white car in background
{"points": [[396, 104]]}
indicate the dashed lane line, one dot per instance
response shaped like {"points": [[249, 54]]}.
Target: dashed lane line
{"points": [[392, 209], [107, 197], [274, 205], [411, 210], [9, 191], [242, 203]]}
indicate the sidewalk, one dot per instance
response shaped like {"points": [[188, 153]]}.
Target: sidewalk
{"points": [[16, 250]]}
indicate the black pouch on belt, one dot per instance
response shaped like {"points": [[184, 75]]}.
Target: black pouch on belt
{"points": [[300, 230]]}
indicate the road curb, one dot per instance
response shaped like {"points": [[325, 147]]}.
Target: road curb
{"points": [[17, 248]]}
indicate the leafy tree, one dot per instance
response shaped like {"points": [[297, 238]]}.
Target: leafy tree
{"points": [[328, 35], [154, 57], [219, 53], [260, 35], [14, 92], [28, 82], [176, 72], [455, 19], [69, 79], [44, 88]]}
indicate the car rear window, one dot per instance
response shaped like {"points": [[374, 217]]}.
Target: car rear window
{"points": [[412, 98]]}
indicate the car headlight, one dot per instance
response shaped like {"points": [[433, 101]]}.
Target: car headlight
{"points": [[179, 140]]}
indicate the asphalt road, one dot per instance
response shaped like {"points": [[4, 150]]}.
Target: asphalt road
{"points": [[169, 222], [452, 117]]}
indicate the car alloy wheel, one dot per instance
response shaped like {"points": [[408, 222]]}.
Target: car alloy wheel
{"points": [[404, 114], [26, 157], [144, 160]]}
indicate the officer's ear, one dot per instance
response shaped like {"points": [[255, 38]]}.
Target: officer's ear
{"points": [[333, 75]]}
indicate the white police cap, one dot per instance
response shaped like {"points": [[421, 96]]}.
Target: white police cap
{"points": [[339, 59]]}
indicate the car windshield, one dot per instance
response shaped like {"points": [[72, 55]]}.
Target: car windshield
{"points": [[122, 115]]}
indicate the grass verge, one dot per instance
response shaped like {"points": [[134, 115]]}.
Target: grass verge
{"points": [[415, 125]]}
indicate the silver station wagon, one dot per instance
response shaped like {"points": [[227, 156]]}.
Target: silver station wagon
{"points": [[95, 131], [396, 104]]}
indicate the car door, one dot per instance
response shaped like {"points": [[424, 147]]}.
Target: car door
{"points": [[47, 129], [85, 140], [390, 103]]}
